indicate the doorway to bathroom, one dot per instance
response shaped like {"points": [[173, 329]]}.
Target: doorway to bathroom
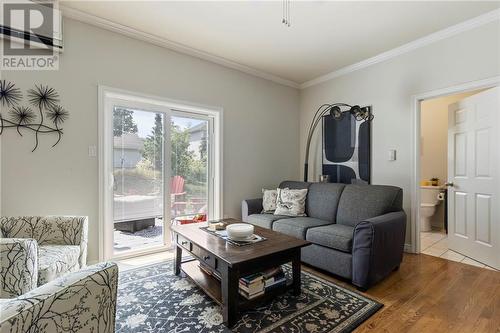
{"points": [[458, 178]]}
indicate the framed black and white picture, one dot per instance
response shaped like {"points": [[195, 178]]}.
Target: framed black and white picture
{"points": [[346, 149]]}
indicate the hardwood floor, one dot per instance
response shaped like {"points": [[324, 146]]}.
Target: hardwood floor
{"points": [[426, 294], [430, 294]]}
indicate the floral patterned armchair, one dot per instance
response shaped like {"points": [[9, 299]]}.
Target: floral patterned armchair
{"points": [[79, 302], [35, 250]]}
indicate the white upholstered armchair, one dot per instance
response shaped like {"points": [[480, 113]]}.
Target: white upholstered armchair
{"points": [[79, 302], [35, 250]]}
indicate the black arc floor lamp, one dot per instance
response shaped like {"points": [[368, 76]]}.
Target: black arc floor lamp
{"points": [[337, 111]]}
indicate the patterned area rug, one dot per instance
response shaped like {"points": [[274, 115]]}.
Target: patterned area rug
{"points": [[153, 299]]}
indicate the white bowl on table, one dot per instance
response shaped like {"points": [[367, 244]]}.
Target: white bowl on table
{"points": [[240, 231]]}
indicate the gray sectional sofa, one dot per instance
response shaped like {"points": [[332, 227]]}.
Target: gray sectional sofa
{"points": [[357, 231]]}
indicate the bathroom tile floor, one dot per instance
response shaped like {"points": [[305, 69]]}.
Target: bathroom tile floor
{"points": [[435, 243]]}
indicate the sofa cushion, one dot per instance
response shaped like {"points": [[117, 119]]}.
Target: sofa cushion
{"points": [[265, 220], [297, 226], [56, 260], [291, 202], [269, 200], [295, 185], [361, 202], [323, 200], [335, 236]]}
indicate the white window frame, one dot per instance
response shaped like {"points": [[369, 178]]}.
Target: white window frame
{"points": [[169, 107]]}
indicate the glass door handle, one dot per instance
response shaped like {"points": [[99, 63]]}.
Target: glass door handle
{"points": [[449, 184], [111, 181]]}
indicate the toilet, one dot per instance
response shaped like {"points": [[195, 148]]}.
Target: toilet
{"points": [[428, 205]]}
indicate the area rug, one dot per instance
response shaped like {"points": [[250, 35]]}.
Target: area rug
{"points": [[153, 299]]}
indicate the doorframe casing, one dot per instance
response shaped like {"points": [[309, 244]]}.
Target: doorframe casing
{"points": [[216, 113], [415, 155]]}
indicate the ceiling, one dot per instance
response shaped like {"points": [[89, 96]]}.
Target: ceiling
{"points": [[324, 36]]}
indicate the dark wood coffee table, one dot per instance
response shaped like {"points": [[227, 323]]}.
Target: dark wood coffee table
{"points": [[230, 262]]}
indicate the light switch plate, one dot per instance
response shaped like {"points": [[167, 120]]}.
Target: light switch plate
{"points": [[92, 151], [392, 154]]}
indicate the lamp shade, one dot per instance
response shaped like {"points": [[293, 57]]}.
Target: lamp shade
{"points": [[336, 112]]}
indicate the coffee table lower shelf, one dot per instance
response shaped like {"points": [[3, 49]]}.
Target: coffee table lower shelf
{"points": [[212, 286]]}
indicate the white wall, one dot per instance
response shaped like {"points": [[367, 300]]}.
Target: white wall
{"points": [[389, 87], [260, 124]]}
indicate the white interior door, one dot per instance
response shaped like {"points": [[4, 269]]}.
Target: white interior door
{"points": [[474, 172]]}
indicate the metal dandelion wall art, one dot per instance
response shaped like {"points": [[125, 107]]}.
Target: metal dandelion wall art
{"points": [[9, 94], [57, 115], [43, 97], [22, 115], [23, 118]]}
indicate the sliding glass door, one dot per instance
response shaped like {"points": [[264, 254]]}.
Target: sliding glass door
{"points": [[138, 189], [159, 167], [189, 166]]}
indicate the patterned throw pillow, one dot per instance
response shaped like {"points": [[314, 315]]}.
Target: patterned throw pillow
{"points": [[291, 202], [269, 200]]}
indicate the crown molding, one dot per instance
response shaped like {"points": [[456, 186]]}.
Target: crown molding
{"points": [[384, 56], [163, 42], [416, 44]]}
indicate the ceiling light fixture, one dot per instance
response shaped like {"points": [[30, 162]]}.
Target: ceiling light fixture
{"points": [[286, 13]]}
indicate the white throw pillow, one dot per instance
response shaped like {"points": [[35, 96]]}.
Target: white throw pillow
{"points": [[269, 200], [291, 202]]}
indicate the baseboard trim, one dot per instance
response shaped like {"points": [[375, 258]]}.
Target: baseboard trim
{"points": [[408, 248]]}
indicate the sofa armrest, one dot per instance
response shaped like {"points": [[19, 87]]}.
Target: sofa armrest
{"points": [[71, 230], [18, 266], [83, 301], [377, 248], [249, 207]]}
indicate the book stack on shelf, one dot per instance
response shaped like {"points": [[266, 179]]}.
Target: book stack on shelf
{"points": [[252, 286], [209, 271], [255, 285], [274, 278]]}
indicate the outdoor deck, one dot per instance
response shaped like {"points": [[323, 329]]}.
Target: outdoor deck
{"points": [[126, 241]]}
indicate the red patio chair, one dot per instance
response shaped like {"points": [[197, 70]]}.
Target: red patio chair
{"points": [[177, 194]]}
